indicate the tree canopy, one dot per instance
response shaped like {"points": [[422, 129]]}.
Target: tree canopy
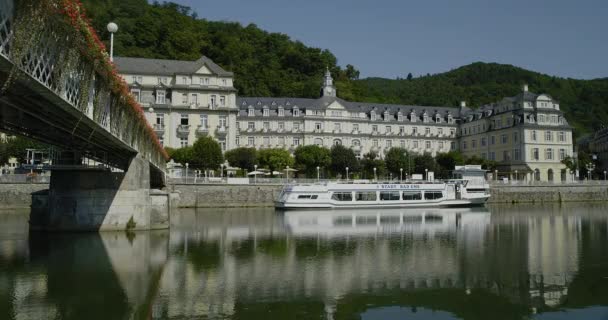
{"points": [[308, 158], [244, 158], [341, 158], [207, 153], [275, 159]]}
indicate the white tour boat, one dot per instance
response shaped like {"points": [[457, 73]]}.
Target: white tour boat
{"points": [[468, 189]]}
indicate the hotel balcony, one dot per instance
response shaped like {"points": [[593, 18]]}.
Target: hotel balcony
{"points": [[202, 131], [355, 131], [183, 130], [280, 130], [337, 131], [375, 133], [221, 131], [159, 128]]}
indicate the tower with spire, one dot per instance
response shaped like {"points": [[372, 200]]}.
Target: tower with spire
{"points": [[328, 89]]}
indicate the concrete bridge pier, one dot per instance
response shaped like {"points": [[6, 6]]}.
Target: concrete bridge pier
{"points": [[96, 199]]}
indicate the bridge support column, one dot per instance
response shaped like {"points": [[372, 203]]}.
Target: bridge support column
{"points": [[85, 199]]}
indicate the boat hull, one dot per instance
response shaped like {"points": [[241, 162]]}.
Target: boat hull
{"points": [[480, 201]]}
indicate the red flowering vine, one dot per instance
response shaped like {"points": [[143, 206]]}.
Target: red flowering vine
{"points": [[95, 51]]}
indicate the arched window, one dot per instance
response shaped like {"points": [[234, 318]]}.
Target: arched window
{"points": [[337, 142], [550, 175], [537, 175], [356, 143], [318, 141]]}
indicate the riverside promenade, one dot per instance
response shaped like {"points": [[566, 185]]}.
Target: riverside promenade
{"points": [[190, 193]]}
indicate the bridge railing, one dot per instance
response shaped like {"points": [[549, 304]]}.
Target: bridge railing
{"points": [[51, 41]]}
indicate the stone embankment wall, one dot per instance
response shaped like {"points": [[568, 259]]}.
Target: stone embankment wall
{"points": [[548, 193], [206, 196]]}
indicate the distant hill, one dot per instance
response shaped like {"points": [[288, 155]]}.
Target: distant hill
{"points": [[272, 64]]}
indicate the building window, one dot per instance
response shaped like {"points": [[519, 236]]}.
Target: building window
{"points": [[281, 112], [184, 98], [266, 126], [183, 120], [296, 141], [356, 143], [549, 154], [515, 137], [184, 80], [562, 154], [238, 140], [204, 121], [194, 98], [483, 141], [250, 125], [372, 115], [399, 117], [161, 96], [535, 154], [296, 126], [506, 156], [561, 136], [222, 101], [296, 112], [389, 143], [388, 129], [464, 145], [503, 139], [427, 131], [250, 141], [281, 141], [492, 140], [355, 127], [440, 145], [223, 122], [250, 112], [224, 82], [533, 135], [415, 144], [548, 136], [160, 119], [136, 94], [213, 101], [281, 125], [266, 141], [516, 154], [415, 130], [374, 128], [474, 144], [265, 112], [337, 127], [428, 145], [452, 145], [375, 143], [183, 142], [318, 126]]}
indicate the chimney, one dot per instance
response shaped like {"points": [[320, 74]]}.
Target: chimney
{"points": [[463, 104], [525, 87]]}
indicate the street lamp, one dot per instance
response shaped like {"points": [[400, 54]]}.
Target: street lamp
{"points": [[221, 170], [516, 175], [604, 175], [400, 175], [112, 28], [287, 174], [590, 167], [346, 174], [495, 175], [375, 178], [426, 174], [255, 174], [318, 175], [187, 172]]}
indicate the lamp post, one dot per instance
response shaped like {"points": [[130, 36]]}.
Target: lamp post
{"points": [[221, 170], [187, 171], [516, 175], [495, 175], [375, 178], [346, 174], [318, 175], [287, 174], [604, 175], [426, 174], [590, 167], [112, 28], [400, 175], [255, 174]]}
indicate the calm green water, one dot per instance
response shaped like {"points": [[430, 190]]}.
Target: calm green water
{"points": [[520, 262]]}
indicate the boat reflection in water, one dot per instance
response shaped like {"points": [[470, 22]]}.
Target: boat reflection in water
{"points": [[333, 223]]}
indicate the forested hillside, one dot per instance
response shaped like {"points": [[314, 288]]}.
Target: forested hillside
{"points": [[272, 64]]}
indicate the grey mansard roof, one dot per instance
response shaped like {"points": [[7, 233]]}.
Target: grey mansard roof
{"points": [[273, 104], [166, 67]]}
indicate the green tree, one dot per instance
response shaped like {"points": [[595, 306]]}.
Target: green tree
{"points": [[207, 153], [424, 161], [446, 163], [308, 158], [409, 76], [275, 159], [341, 158], [351, 72], [244, 158], [397, 159], [370, 161], [16, 147], [182, 155]]}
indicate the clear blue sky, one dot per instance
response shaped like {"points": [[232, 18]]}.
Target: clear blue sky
{"points": [[390, 38]]}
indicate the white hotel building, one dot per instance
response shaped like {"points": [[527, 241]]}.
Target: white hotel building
{"points": [[188, 99]]}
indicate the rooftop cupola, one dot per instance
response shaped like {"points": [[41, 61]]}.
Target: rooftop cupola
{"points": [[328, 89]]}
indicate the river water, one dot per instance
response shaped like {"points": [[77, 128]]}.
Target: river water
{"points": [[500, 262]]}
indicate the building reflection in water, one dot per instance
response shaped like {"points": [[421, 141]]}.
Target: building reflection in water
{"points": [[255, 263]]}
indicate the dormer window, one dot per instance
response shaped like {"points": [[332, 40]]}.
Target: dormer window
{"points": [[413, 116], [399, 116], [265, 112], [281, 112], [437, 118], [296, 112], [372, 115], [251, 112], [386, 116], [161, 96], [425, 117]]}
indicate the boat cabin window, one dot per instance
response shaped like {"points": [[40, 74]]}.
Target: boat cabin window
{"points": [[365, 196], [389, 195], [412, 195], [308, 196], [342, 196], [433, 195]]}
